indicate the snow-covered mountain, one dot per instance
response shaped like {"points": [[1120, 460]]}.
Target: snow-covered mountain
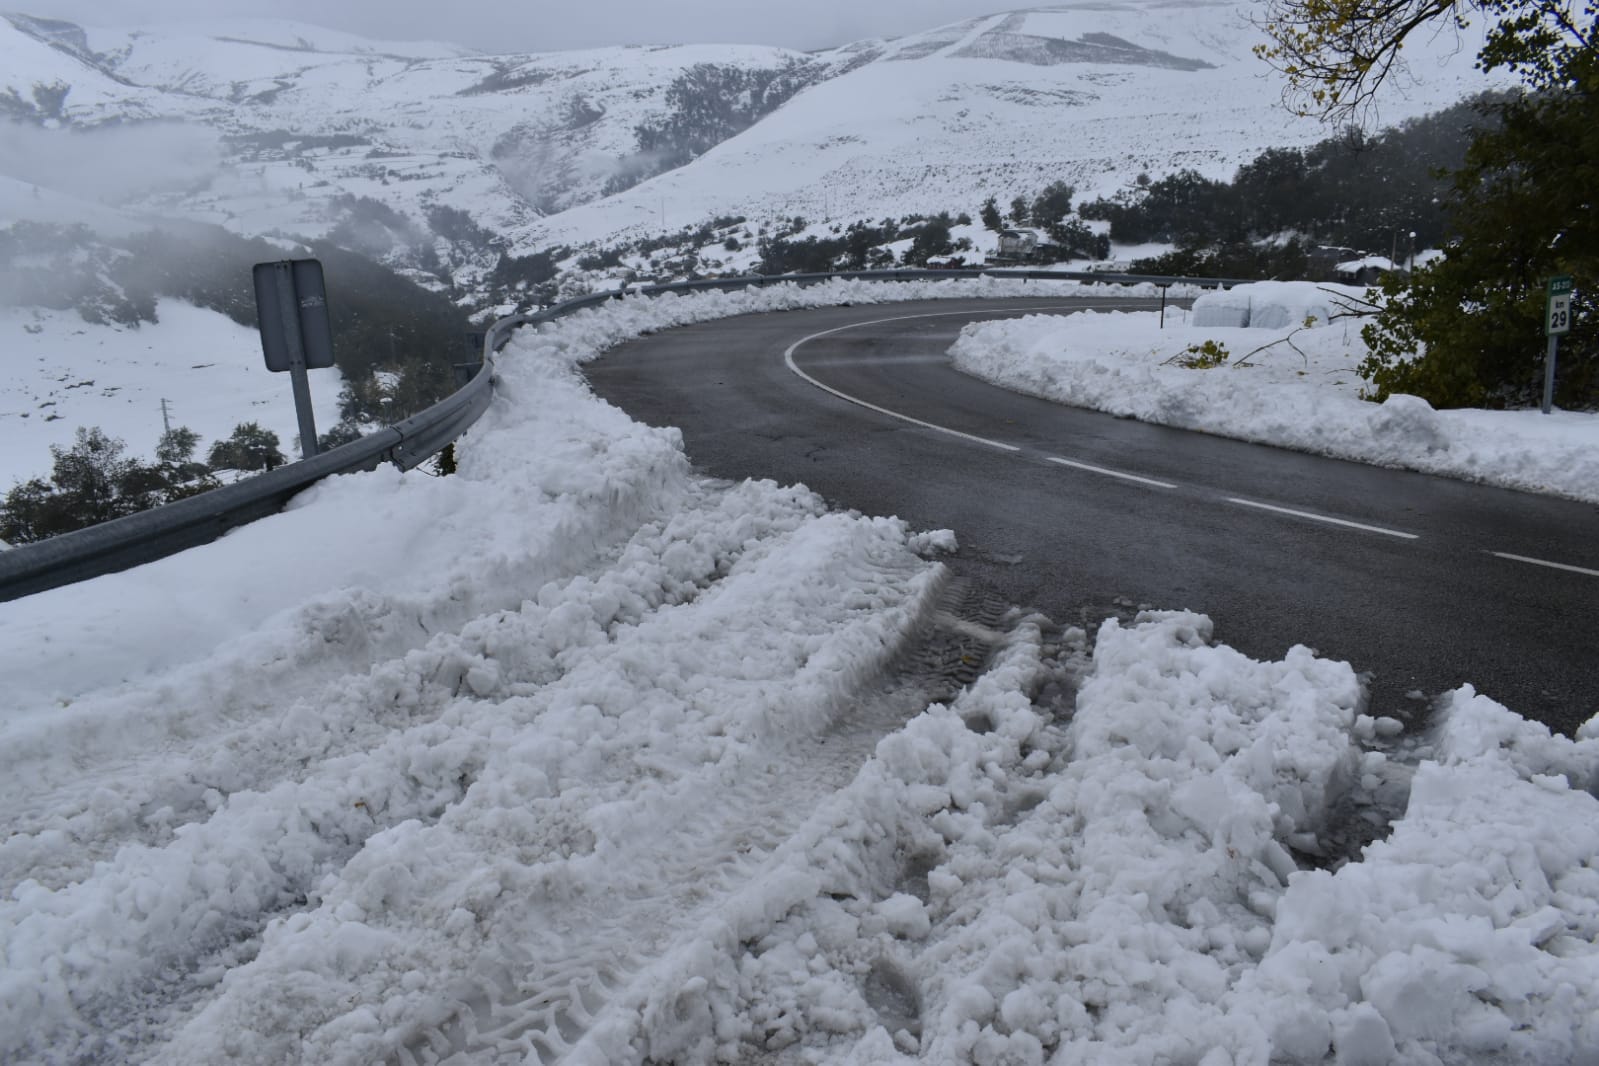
{"points": [[296, 118], [1003, 105], [281, 127]]}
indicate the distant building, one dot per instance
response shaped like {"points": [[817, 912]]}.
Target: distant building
{"points": [[1367, 270], [1024, 245], [1322, 261]]}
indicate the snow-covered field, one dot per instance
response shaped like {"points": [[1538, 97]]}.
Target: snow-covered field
{"points": [[1282, 383], [62, 373], [577, 756]]}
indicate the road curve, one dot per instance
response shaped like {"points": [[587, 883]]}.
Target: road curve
{"points": [[1425, 583]]}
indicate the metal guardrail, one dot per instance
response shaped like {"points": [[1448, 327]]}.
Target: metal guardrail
{"points": [[154, 534]]}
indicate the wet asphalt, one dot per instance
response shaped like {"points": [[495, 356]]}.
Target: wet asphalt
{"points": [[1419, 613]]}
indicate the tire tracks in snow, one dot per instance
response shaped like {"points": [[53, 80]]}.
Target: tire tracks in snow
{"points": [[148, 761], [535, 1001], [171, 918]]}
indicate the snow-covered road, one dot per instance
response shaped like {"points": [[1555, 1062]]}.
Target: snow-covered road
{"points": [[579, 757]]}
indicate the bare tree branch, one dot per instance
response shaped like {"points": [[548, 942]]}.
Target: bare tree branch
{"points": [[1336, 54]]}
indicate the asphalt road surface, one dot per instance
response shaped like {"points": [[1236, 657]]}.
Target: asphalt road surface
{"points": [[1423, 583]]}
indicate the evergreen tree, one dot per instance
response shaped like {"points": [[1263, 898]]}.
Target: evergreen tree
{"points": [[1051, 206], [177, 445], [342, 433], [932, 239], [1467, 329], [250, 447], [90, 482], [989, 214], [1076, 241]]}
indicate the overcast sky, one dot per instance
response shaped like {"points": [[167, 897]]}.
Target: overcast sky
{"points": [[542, 25]]}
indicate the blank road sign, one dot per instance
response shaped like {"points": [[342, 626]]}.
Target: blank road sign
{"points": [[291, 295]]}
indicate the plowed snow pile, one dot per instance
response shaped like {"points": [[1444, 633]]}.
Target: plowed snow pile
{"points": [[1287, 377], [578, 757]]}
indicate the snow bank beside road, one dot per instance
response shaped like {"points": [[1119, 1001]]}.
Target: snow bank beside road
{"points": [[407, 537], [616, 769], [1287, 385], [407, 680], [1128, 880]]}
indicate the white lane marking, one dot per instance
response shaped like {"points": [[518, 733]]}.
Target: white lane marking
{"points": [[1111, 473], [890, 360], [1322, 518], [1545, 562], [788, 359]]}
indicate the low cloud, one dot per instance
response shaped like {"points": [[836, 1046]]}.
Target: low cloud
{"points": [[496, 27], [111, 164]]}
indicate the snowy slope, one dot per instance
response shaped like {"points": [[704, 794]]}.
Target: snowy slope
{"points": [[1003, 105], [41, 55], [59, 373], [590, 760], [305, 115], [527, 144]]}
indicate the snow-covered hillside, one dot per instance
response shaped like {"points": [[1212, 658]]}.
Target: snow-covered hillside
{"points": [[62, 373], [302, 119], [1003, 105], [301, 116]]}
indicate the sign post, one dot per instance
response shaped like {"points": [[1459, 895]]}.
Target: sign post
{"points": [[1557, 320], [291, 303]]}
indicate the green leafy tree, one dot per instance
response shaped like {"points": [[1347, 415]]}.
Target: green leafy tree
{"points": [[1243, 259], [178, 473], [1324, 194], [1183, 208], [1336, 54]]}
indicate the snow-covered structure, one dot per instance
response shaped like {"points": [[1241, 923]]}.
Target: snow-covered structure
{"points": [[1367, 270], [1022, 244], [1271, 304]]}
